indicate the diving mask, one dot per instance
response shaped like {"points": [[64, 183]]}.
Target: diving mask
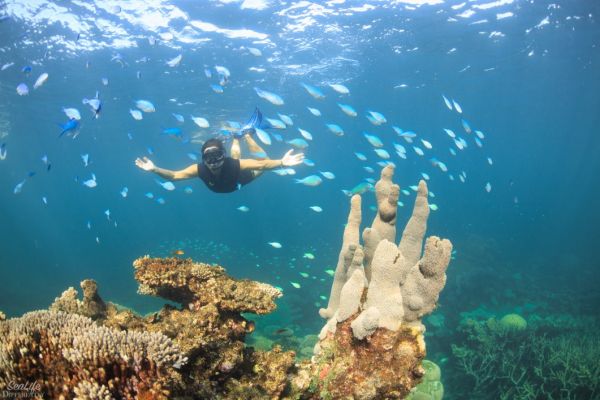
{"points": [[213, 157]]}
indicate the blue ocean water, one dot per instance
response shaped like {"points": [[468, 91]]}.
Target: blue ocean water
{"points": [[524, 73]]}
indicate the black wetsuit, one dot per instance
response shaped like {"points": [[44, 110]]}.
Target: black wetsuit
{"points": [[230, 177]]}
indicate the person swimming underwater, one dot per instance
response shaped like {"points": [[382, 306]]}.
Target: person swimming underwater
{"points": [[223, 174]]}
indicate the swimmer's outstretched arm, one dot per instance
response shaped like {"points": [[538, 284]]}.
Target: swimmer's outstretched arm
{"points": [[288, 160], [187, 173]]}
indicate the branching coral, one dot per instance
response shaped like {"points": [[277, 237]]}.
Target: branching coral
{"points": [[374, 336], [532, 363], [60, 351]]}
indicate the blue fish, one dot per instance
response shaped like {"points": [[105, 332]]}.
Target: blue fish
{"points": [[311, 180], [172, 132], [298, 143], [178, 117], [71, 126], [335, 129], [348, 110], [313, 91], [359, 189]]}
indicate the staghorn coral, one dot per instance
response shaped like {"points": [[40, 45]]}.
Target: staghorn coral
{"points": [[539, 362], [372, 344], [86, 390], [61, 350], [194, 285]]}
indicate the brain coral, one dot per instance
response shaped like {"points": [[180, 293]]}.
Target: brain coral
{"points": [[513, 322]]}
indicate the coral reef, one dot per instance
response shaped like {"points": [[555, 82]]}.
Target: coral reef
{"points": [[372, 344], [2, 316], [208, 332], [371, 347]]}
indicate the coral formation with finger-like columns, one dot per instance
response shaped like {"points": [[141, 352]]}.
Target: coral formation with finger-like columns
{"points": [[372, 344]]}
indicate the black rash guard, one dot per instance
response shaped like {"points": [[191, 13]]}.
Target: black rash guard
{"points": [[229, 179]]}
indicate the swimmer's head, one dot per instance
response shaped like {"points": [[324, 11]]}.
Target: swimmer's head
{"points": [[213, 154]]}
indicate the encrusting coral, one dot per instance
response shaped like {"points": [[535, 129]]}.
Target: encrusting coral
{"points": [[195, 285], [374, 335]]}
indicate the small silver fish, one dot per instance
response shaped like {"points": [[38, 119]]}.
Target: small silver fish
{"points": [[167, 185], [341, 89], [145, 106], [22, 89], [72, 113], [19, 187], [263, 136], [254, 51], [174, 61], [136, 114], [91, 183], [269, 96], [201, 122], [305, 134], [314, 111], [40, 80]]}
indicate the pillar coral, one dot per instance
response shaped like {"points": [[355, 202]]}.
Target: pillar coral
{"points": [[373, 342]]}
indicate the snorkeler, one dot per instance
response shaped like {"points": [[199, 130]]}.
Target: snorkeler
{"points": [[223, 174]]}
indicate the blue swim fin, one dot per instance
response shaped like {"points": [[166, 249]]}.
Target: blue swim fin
{"points": [[255, 121]]}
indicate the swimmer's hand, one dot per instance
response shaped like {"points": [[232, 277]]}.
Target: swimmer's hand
{"points": [[145, 163], [289, 159]]}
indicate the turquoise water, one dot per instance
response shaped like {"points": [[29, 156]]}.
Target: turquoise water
{"points": [[525, 74]]}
